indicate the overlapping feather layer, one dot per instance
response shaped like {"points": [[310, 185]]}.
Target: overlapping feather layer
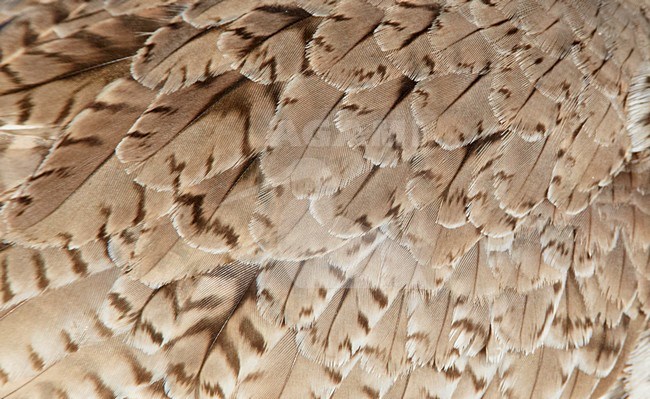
{"points": [[324, 198]]}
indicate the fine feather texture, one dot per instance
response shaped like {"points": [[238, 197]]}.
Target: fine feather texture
{"points": [[324, 198], [167, 61], [92, 137]]}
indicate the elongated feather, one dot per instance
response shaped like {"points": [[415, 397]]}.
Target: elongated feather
{"points": [[110, 368], [50, 327], [206, 13], [470, 327], [379, 121], [453, 109], [432, 345], [359, 383], [202, 334], [28, 273], [268, 44], [556, 76], [501, 31], [402, 34], [346, 214], [579, 385], [124, 303], [238, 349], [281, 223], [323, 198], [38, 104], [484, 210], [439, 173], [539, 375], [305, 150], [613, 380], [164, 61], [296, 293], [385, 350], [575, 191], [593, 235], [617, 277], [116, 41], [284, 372], [214, 215], [20, 156], [635, 373], [162, 137], [476, 378], [599, 356], [81, 17], [571, 326], [344, 52], [599, 308], [638, 104], [519, 105], [522, 321], [44, 214], [523, 267], [343, 327], [472, 277], [523, 172], [458, 45], [557, 246], [605, 120], [150, 254], [28, 27], [348, 257], [435, 245], [426, 382]]}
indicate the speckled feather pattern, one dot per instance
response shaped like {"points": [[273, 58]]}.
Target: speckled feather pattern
{"points": [[324, 199]]}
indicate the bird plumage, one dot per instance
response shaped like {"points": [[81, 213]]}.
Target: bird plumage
{"points": [[324, 198]]}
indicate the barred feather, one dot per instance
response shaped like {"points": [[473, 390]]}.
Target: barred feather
{"points": [[324, 198]]}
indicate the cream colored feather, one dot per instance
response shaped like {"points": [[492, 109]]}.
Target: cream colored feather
{"points": [[324, 199]]}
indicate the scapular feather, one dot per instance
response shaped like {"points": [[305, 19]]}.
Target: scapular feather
{"points": [[325, 199]]}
